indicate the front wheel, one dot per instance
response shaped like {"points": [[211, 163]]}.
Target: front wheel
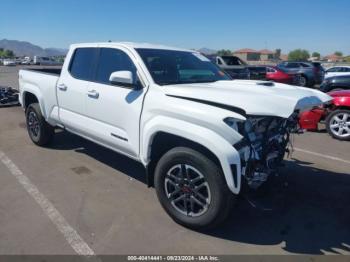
{"points": [[338, 124], [192, 189], [40, 132]]}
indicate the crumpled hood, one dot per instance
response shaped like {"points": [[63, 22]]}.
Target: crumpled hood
{"points": [[253, 97]]}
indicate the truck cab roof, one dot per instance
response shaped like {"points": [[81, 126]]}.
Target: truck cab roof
{"points": [[132, 45]]}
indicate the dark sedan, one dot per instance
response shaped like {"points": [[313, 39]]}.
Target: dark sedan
{"points": [[335, 83], [310, 73]]}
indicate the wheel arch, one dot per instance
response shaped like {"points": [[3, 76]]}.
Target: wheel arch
{"points": [[158, 139], [163, 142], [31, 94], [29, 98]]}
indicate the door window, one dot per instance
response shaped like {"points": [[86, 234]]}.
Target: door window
{"points": [[292, 65], [81, 66], [333, 70], [112, 60]]}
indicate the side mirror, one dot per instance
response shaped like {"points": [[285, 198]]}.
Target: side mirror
{"points": [[122, 77]]}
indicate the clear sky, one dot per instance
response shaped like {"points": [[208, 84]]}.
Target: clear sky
{"points": [[316, 25]]}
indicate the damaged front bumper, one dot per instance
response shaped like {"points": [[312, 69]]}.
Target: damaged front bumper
{"points": [[265, 142]]}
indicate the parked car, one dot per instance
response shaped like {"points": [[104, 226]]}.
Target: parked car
{"points": [[337, 71], [42, 60], [9, 62], [310, 74], [335, 83], [198, 134], [26, 61], [277, 74], [257, 72], [336, 116], [232, 65], [320, 71]]}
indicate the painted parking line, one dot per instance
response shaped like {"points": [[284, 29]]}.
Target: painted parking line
{"points": [[322, 155], [70, 234]]}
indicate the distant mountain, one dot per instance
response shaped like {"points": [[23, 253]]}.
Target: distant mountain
{"points": [[55, 51], [22, 48], [207, 51]]}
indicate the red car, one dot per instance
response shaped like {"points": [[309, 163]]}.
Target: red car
{"points": [[337, 116], [276, 74]]}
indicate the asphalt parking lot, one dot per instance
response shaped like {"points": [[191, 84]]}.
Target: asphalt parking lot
{"points": [[103, 198]]}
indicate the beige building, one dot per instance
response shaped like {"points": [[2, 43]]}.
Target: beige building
{"points": [[333, 58], [266, 55], [248, 54]]}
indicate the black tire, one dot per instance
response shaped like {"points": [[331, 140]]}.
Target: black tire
{"points": [[303, 81], [40, 132], [221, 197], [330, 120]]}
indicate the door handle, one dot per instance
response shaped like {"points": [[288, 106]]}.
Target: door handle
{"points": [[62, 87], [93, 94]]}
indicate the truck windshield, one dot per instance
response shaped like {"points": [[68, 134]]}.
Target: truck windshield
{"points": [[179, 67]]}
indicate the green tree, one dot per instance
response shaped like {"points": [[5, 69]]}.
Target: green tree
{"points": [[338, 53], [223, 52], [316, 54], [298, 55], [8, 54]]}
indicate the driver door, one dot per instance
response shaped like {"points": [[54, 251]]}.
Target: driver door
{"points": [[114, 110]]}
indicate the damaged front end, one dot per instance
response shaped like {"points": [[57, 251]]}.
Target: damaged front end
{"points": [[264, 144]]}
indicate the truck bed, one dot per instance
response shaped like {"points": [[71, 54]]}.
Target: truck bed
{"points": [[41, 81], [51, 71]]}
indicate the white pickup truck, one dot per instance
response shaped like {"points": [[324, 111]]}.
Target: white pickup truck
{"points": [[199, 134]]}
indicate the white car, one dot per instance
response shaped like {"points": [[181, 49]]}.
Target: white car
{"points": [[26, 62], [199, 134], [9, 62], [337, 71], [42, 60]]}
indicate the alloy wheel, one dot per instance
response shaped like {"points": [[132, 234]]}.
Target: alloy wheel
{"points": [[187, 190], [33, 124], [340, 124], [302, 81]]}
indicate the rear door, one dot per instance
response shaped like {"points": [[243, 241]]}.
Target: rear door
{"points": [[344, 71], [72, 87], [114, 110]]}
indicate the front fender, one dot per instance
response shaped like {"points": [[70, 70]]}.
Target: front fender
{"points": [[228, 156]]}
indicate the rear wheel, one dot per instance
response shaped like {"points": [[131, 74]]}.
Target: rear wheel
{"points": [[192, 189], [338, 124], [40, 132], [303, 81]]}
